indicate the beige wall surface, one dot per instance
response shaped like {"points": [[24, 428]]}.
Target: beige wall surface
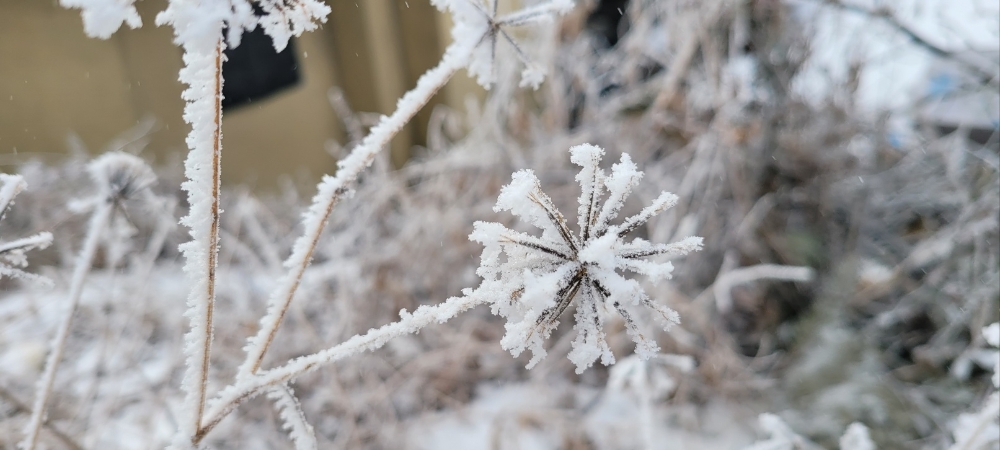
{"points": [[55, 81]]}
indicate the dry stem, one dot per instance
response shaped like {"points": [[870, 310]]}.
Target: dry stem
{"points": [[332, 189], [98, 221]]}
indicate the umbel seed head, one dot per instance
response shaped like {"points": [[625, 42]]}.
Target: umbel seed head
{"points": [[120, 176], [542, 276]]}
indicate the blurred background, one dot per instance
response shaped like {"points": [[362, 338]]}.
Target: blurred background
{"points": [[854, 140], [54, 81]]}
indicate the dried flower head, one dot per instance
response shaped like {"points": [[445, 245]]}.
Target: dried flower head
{"points": [[541, 276], [120, 176], [478, 20]]}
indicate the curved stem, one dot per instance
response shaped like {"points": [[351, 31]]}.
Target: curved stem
{"points": [[332, 189], [253, 385], [98, 222]]}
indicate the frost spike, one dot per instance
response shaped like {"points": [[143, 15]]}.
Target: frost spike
{"points": [[662, 203]]}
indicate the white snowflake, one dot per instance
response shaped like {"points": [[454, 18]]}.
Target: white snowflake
{"points": [[540, 276]]}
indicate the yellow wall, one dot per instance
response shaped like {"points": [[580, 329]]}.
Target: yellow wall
{"points": [[54, 80]]}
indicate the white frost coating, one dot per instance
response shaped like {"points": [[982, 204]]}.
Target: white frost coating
{"points": [[253, 385], [525, 185], [538, 295], [978, 430], [591, 341], [283, 19], [120, 175], [541, 276], [532, 76], [992, 336], [478, 23], [781, 436], [293, 418], [725, 282], [662, 203], [981, 429], [11, 186], [101, 18], [591, 179], [198, 29], [332, 189], [98, 222], [624, 177], [856, 438]]}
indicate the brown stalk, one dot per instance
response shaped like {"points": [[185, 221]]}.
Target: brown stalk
{"points": [[536, 246], [539, 198], [213, 253], [299, 271]]}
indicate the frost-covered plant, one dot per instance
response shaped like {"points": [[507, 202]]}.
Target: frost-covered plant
{"points": [[981, 429], [119, 177], [649, 381], [198, 29], [12, 254], [782, 437], [541, 276]]}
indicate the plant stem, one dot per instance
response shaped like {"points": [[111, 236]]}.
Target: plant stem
{"points": [[332, 189], [98, 222], [253, 385], [202, 168]]}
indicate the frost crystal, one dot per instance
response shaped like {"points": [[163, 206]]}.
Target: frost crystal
{"points": [[101, 18], [540, 276]]}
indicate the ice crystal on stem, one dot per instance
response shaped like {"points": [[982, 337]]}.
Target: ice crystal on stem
{"points": [[101, 18], [541, 276]]}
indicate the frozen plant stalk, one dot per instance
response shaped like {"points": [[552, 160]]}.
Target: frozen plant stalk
{"points": [[475, 35], [541, 276], [119, 177]]}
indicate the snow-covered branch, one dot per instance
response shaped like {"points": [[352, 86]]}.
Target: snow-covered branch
{"points": [[252, 385]]}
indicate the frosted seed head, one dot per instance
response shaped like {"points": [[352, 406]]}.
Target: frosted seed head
{"points": [[586, 155], [120, 176], [542, 276]]}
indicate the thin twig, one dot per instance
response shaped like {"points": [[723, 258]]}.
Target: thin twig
{"points": [[332, 189], [204, 97], [726, 281], [253, 385], [20, 406], [98, 222]]}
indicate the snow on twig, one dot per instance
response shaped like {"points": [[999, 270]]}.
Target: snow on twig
{"points": [[725, 282], [247, 387], [290, 410], [101, 18], [203, 75], [332, 189]]}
